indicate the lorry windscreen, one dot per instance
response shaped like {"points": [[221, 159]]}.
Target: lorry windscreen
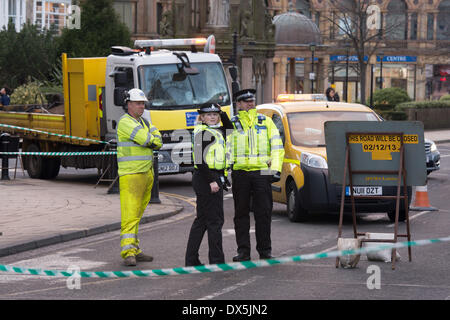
{"points": [[165, 93]]}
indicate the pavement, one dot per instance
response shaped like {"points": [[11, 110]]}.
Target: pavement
{"points": [[36, 213], [438, 136]]}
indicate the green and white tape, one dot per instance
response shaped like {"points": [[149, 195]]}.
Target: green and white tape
{"points": [[217, 267], [51, 133], [57, 154]]}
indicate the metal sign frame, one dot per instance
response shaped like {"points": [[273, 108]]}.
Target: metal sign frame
{"points": [[401, 176]]}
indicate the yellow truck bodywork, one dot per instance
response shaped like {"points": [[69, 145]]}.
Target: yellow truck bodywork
{"points": [[83, 79]]}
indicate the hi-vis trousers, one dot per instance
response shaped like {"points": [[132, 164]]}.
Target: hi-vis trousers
{"points": [[135, 193]]}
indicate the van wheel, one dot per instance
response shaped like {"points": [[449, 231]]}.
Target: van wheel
{"points": [[402, 211], [401, 215], [296, 212]]}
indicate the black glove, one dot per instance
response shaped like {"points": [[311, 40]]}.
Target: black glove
{"points": [[275, 177], [225, 183]]}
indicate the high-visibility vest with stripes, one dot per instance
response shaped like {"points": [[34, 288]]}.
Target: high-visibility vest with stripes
{"points": [[215, 158], [136, 140], [255, 143]]}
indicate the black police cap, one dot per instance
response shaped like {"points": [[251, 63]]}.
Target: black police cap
{"points": [[209, 107], [245, 95]]}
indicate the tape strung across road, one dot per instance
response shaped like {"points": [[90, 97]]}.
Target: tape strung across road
{"points": [[217, 267], [57, 154], [51, 133]]}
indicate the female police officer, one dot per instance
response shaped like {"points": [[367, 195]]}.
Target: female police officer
{"points": [[208, 182]]}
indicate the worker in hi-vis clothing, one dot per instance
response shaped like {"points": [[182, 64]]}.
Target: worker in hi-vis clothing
{"points": [[256, 154], [136, 140]]}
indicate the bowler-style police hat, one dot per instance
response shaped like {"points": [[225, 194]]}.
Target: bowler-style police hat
{"points": [[245, 95], [209, 107]]}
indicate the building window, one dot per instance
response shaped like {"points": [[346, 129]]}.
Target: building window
{"points": [[303, 7], [443, 21], [127, 13], [430, 26], [14, 11], [51, 13], [396, 21], [413, 26]]}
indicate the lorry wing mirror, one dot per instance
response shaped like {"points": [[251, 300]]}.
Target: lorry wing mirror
{"points": [[233, 72], [119, 96], [120, 78], [148, 105], [183, 72], [179, 76]]}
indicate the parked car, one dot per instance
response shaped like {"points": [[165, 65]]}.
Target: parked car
{"points": [[433, 156], [304, 186]]}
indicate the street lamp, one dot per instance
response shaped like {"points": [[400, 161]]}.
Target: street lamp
{"points": [[381, 54], [347, 48], [312, 47]]}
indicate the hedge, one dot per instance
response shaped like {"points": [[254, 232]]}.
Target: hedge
{"points": [[423, 105], [388, 98]]}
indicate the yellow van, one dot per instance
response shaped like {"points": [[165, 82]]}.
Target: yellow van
{"points": [[304, 186]]}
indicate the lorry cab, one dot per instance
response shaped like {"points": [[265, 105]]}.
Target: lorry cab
{"points": [[176, 83]]}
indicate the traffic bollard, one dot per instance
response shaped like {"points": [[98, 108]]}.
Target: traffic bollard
{"points": [[5, 140], [114, 188], [155, 189]]}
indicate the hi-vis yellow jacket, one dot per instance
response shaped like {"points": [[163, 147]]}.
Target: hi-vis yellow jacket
{"points": [[255, 143], [215, 158], [136, 141]]}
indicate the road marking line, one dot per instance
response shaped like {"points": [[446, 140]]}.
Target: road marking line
{"points": [[231, 288], [189, 200], [410, 218]]}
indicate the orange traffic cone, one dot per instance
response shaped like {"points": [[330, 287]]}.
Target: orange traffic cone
{"points": [[420, 201]]}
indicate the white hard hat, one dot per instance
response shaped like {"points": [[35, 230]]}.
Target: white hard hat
{"points": [[136, 95]]}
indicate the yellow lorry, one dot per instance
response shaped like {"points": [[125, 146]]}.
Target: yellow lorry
{"points": [[176, 83]]}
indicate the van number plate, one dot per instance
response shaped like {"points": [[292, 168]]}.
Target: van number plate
{"points": [[364, 191]]}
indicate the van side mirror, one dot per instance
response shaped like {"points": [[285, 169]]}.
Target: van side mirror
{"points": [[119, 96]]}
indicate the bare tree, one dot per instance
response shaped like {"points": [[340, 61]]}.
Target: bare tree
{"points": [[353, 19]]}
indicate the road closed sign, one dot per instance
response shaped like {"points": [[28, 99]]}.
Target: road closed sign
{"points": [[375, 147], [381, 146]]}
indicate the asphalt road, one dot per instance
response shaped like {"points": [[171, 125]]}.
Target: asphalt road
{"points": [[425, 278]]}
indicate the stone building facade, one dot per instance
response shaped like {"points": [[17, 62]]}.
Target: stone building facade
{"points": [[415, 52], [413, 45], [413, 55]]}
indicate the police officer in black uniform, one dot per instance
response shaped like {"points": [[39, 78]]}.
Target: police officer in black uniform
{"points": [[208, 182], [256, 153]]}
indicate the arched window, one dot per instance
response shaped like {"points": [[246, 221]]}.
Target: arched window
{"points": [[303, 7], [396, 20], [443, 21]]}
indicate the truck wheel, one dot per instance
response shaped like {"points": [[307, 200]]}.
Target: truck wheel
{"points": [[296, 212], [34, 164], [51, 167]]}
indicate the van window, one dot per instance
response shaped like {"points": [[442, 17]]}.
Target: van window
{"points": [[307, 128], [279, 124]]}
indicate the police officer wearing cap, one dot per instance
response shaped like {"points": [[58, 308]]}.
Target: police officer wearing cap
{"points": [[209, 180], [136, 140], [256, 155]]}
